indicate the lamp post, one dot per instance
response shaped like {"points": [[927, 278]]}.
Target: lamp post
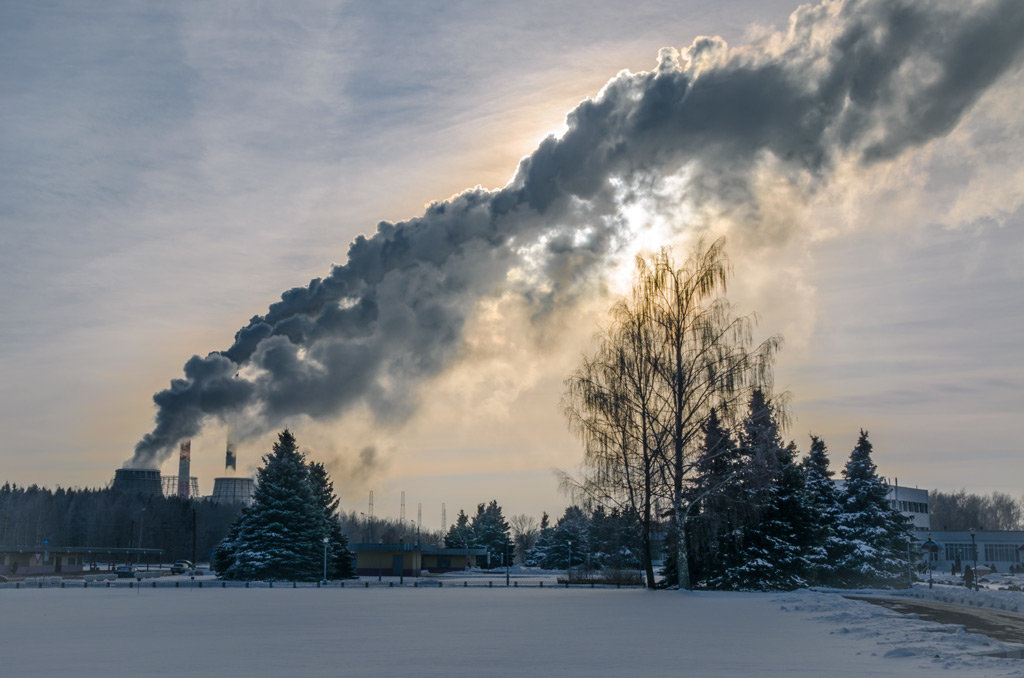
{"points": [[326, 540], [910, 571], [974, 548], [568, 569], [931, 548]]}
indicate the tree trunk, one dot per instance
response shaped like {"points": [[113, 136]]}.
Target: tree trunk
{"points": [[682, 558]]}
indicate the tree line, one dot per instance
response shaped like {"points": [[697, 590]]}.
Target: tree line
{"points": [[111, 519], [962, 510]]}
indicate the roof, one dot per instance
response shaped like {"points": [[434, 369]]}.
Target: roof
{"points": [[79, 549], [428, 549]]}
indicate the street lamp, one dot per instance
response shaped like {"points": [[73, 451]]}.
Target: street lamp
{"points": [[974, 547], [931, 548], [568, 569], [326, 541]]}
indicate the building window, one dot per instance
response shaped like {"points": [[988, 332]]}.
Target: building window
{"points": [[963, 551], [1006, 553]]}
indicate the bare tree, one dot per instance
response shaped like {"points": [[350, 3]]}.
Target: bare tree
{"points": [[674, 352], [707, 360], [961, 510], [613, 406], [525, 531]]}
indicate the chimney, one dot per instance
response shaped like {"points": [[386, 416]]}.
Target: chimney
{"points": [[229, 457], [183, 469]]}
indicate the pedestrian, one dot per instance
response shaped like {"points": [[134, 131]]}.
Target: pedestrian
{"points": [[968, 577]]}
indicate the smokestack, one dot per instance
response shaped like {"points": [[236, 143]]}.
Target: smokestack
{"points": [[184, 462], [230, 458]]}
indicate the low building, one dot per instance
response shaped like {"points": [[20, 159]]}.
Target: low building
{"points": [[998, 550], [410, 560], [45, 559]]}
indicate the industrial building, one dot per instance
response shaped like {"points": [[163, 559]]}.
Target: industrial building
{"points": [[410, 560], [149, 482]]}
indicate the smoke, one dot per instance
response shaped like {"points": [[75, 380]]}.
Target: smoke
{"points": [[692, 139]]}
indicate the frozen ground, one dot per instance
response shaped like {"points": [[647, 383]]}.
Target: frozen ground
{"points": [[455, 631]]}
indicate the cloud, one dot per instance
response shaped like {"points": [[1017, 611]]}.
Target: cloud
{"points": [[857, 82]]}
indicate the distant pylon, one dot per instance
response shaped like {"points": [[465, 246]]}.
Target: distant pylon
{"points": [[444, 518], [401, 511]]}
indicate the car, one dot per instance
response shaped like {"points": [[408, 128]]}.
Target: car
{"points": [[181, 567], [126, 572]]}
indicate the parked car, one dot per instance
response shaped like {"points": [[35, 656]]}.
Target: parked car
{"points": [[126, 572], [181, 567]]}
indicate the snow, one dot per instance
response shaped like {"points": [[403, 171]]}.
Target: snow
{"points": [[455, 631], [946, 590]]}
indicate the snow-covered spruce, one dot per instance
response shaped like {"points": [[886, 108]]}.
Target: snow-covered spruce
{"points": [[280, 536]]}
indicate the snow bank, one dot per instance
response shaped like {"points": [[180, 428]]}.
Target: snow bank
{"points": [[993, 599], [900, 636]]}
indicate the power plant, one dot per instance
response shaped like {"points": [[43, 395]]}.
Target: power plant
{"points": [[147, 481]]}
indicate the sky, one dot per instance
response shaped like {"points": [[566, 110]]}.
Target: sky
{"points": [[169, 172]]}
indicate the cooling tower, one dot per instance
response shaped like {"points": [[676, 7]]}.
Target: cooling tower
{"points": [[137, 481], [233, 490]]}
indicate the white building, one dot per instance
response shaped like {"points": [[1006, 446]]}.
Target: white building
{"points": [[913, 503]]}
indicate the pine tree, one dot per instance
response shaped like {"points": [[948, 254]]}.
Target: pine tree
{"points": [[536, 556], [570, 538], [492, 532], [772, 541], [614, 541], [715, 496], [874, 534], [339, 558], [279, 535], [460, 535], [821, 498]]}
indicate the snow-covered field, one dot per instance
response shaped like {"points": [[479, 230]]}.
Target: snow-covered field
{"points": [[455, 631]]}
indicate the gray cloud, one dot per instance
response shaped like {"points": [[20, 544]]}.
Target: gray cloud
{"points": [[866, 80]]}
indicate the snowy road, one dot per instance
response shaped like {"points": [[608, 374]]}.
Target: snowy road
{"points": [[1004, 626], [454, 632]]}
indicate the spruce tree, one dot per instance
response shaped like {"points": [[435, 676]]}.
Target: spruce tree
{"points": [[536, 556], [570, 539], [339, 558], [279, 535], [771, 551], [491, 531], [822, 500], [874, 534], [715, 496], [460, 535]]}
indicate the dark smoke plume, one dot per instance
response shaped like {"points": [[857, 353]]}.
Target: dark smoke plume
{"points": [[863, 80]]}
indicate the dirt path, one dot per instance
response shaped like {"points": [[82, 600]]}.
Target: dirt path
{"points": [[1005, 626]]}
